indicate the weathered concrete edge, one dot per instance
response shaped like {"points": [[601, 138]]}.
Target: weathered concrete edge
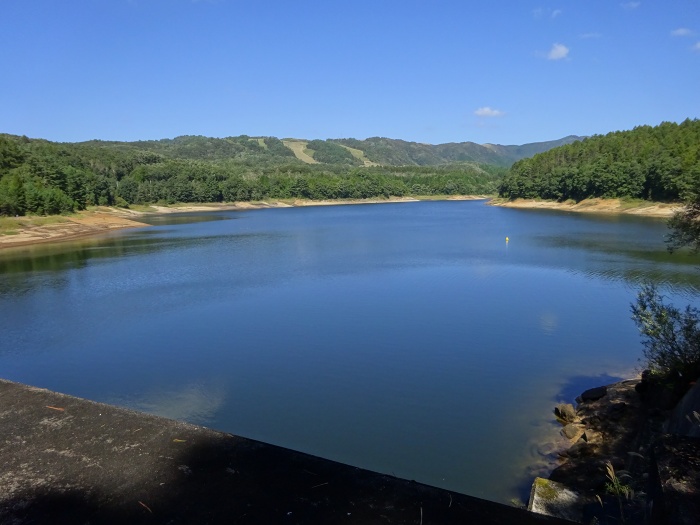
{"points": [[72, 460]]}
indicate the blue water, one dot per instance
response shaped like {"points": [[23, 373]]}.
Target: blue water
{"points": [[406, 338]]}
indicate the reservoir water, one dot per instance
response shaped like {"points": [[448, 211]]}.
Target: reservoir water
{"points": [[406, 338]]}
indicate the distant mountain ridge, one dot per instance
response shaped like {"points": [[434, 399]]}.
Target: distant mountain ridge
{"points": [[396, 152], [351, 152]]}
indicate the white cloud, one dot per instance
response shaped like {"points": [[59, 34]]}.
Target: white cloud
{"points": [[681, 31], [549, 13], [696, 47], [631, 5], [558, 52], [590, 35], [486, 111]]}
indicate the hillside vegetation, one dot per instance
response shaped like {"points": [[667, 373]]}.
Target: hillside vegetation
{"points": [[660, 163], [401, 153], [42, 177]]}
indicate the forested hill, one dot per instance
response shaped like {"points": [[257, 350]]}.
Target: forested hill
{"points": [[43, 177], [352, 152], [401, 153], [660, 163]]}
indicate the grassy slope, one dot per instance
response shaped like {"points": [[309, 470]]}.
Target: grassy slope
{"points": [[299, 149]]}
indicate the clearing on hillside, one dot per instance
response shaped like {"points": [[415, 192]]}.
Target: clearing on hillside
{"points": [[299, 149], [359, 155]]}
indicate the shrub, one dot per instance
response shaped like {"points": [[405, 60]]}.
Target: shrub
{"points": [[671, 336]]}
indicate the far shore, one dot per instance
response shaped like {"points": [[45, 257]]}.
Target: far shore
{"points": [[608, 206], [18, 232]]}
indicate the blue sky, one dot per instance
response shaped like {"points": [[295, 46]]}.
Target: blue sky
{"points": [[505, 72]]}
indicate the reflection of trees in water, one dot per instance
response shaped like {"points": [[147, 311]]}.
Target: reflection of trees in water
{"points": [[53, 261], [631, 261], [49, 264]]}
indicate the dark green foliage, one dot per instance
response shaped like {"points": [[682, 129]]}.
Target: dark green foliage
{"points": [[276, 147], [685, 227], [671, 336], [395, 152], [659, 163], [41, 177], [402, 153], [12, 196], [11, 155], [331, 153]]}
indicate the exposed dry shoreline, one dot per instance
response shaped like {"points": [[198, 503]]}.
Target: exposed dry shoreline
{"points": [[26, 231], [610, 206]]}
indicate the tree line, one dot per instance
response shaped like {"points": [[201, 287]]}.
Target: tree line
{"points": [[660, 163], [42, 177]]}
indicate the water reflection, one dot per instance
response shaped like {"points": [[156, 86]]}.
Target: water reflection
{"points": [[186, 218], [48, 264], [549, 322], [636, 249]]}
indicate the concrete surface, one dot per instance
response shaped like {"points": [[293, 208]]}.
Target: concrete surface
{"points": [[554, 499]]}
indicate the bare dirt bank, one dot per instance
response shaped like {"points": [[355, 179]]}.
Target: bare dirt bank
{"points": [[612, 206], [24, 231]]}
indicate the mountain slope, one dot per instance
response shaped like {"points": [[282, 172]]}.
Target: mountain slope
{"points": [[393, 152], [352, 152]]}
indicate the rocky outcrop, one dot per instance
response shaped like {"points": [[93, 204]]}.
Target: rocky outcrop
{"points": [[685, 417], [603, 429], [630, 456]]}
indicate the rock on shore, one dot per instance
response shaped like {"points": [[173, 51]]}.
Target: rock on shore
{"points": [[618, 462]]}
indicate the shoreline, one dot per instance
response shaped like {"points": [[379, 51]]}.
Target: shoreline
{"points": [[630, 434], [596, 205], [22, 232], [28, 231]]}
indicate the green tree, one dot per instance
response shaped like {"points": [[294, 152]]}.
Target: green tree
{"points": [[671, 336], [12, 196], [685, 227], [10, 155]]}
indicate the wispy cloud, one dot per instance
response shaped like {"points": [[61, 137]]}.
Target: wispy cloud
{"points": [[631, 5], [681, 31], [487, 111], [590, 35], [558, 52], [541, 12], [696, 47]]}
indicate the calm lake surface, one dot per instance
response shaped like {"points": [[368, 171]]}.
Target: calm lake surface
{"points": [[406, 338]]}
